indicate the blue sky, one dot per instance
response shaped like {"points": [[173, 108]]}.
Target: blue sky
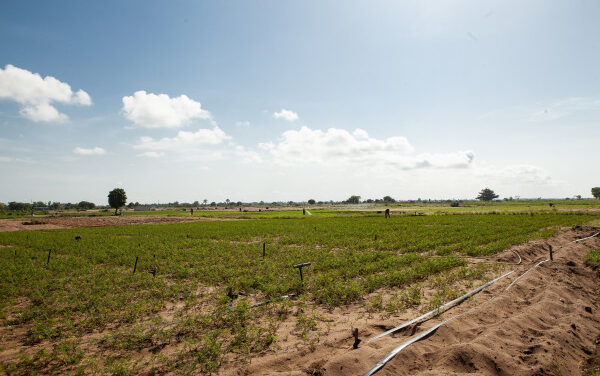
{"points": [[282, 100]]}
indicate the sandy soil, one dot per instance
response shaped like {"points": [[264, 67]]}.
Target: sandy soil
{"points": [[548, 323], [48, 223]]}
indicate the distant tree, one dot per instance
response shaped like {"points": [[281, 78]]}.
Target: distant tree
{"points": [[85, 205], [353, 200], [130, 205], [487, 194], [204, 201], [578, 197], [19, 206], [196, 203], [55, 205], [311, 202], [117, 198], [388, 200], [596, 192], [227, 201], [239, 203], [213, 204], [2, 206]]}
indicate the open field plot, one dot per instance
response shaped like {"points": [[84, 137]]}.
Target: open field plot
{"points": [[86, 310], [278, 211]]}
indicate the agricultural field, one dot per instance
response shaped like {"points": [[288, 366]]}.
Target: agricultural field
{"points": [[202, 296], [278, 211]]}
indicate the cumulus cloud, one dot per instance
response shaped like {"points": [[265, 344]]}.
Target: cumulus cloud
{"points": [[91, 151], [149, 110], [288, 115], [36, 95], [183, 140], [338, 146]]}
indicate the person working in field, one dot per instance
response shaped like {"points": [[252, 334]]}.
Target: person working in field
{"points": [[387, 213]]}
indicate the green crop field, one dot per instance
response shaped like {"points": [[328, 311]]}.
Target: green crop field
{"points": [[88, 286]]}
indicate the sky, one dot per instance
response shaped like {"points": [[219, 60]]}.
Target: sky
{"points": [[293, 100]]}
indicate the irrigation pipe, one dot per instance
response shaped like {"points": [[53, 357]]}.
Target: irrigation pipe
{"points": [[591, 236], [522, 275], [271, 300], [417, 338], [441, 308], [546, 260], [429, 331]]}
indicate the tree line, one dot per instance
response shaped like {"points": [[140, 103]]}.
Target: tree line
{"points": [[117, 198]]}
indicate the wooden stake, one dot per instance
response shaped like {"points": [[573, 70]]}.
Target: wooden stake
{"points": [[135, 265], [48, 261], [551, 258], [356, 340], [299, 267], [264, 248]]}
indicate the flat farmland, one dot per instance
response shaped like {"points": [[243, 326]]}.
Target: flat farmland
{"points": [[203, 297]]}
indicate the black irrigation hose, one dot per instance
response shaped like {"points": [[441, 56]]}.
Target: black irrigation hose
{"points": [[426, 333]]}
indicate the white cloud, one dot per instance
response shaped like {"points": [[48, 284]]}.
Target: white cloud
{"points": [[152, 154], [43, 112], [288, 115], [149, 110], [242, 124], [247, 156], [37, 94], [183, 140], [91, 151], [338, 146]]}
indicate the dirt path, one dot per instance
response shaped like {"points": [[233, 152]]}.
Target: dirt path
{"points": [[48, 223], [547, 323]]}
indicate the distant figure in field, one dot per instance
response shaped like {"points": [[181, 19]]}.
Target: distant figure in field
{"points": [[191, 211], [387, 213], [303, 211]]}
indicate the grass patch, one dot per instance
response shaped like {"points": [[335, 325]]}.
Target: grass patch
{"points": [[593, 258]]}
